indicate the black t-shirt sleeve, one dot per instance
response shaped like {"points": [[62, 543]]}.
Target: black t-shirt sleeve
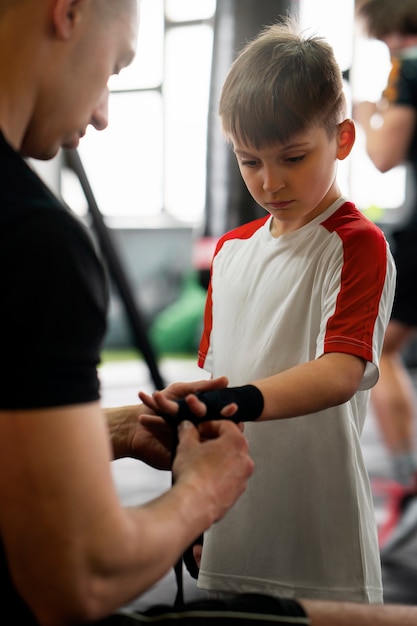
{"points": [[54, 305], [407, 83]]}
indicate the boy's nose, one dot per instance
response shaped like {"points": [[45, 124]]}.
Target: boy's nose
{"points": [[273, 181]]}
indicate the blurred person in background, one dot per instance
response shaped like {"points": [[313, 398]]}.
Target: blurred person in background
{"points": [[390, 127]]}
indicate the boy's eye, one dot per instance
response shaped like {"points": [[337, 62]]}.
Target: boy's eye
{"points": [[295, 159], [249, 162]]}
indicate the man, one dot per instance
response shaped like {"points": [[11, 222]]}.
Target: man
{"points": [[69, 552]]}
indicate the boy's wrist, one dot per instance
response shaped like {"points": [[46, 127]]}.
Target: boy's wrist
{"points": [[249, 399]]}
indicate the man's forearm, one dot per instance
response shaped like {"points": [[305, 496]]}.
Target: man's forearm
{"points": [[324, 613]]}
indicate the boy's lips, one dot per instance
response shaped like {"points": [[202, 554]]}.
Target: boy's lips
{"points": [[280, 205]]}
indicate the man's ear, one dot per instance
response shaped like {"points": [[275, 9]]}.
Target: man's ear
{"points": [[346, 134], [65, 16]]}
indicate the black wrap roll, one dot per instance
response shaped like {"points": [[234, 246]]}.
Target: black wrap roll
{"points": [[248, 398]]}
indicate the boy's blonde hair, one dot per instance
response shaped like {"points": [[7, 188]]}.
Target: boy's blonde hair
{"points": [[281, 84]]}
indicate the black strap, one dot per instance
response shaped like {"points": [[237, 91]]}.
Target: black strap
{"points": [[248, 398], [250, 402]]}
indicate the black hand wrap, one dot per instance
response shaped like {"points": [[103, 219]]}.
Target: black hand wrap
{"points": [[248, 398]]}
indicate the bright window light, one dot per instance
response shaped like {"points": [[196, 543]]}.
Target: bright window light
{"points": [[367, 63], [147, 68], [123, 162], [333, 20], [186, 95], [150, 162], [185, 10], [379, 194]]}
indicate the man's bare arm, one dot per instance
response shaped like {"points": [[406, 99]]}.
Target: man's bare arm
{"points": [[323, 613]]}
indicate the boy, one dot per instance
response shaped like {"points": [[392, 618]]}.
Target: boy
{"points": [[296, 311]]}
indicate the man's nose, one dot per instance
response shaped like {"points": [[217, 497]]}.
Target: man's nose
{"points": [[100, 116]]}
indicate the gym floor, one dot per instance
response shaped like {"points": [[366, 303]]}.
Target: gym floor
{"points": [[137, 482]]}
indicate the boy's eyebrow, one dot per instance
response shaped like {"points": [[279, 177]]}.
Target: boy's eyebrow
{"points": [[239, 152], [284, 148]]}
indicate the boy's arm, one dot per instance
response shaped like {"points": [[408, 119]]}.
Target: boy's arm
{"points": [[308, 388]]}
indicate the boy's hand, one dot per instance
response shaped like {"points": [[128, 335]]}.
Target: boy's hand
{"points": [[167, 402]]}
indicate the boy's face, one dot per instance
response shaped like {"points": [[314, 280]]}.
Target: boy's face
{"points": [[295, 182]]}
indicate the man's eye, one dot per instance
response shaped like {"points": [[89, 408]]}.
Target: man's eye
{"points": [[249, 162]]}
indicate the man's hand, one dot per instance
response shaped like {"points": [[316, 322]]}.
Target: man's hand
{"points": [[138, 434], [151, 443], [216, 465]]}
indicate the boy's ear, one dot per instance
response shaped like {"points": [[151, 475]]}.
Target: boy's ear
{"points": [[65, 16], [346, 134]]}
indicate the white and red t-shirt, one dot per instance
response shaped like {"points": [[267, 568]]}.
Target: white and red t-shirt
{"points": [[305, 526]]}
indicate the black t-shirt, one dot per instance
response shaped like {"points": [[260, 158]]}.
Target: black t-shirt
{"points": [[53, 295], [53, 307]]}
